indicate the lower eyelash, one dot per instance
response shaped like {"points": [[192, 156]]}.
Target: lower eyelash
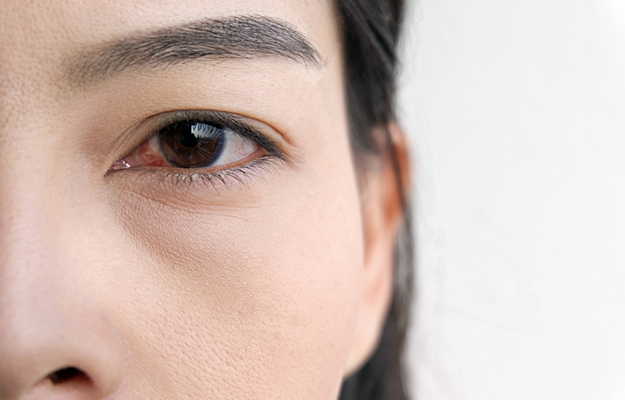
{"points": [[241, 175]]}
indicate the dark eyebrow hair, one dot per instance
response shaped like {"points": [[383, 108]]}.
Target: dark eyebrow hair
{"points": [[239, 37]]}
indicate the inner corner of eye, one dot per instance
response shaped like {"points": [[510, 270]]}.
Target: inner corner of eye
{"points": [[119, 165]]}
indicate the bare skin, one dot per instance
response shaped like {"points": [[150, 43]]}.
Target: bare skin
{"points": [[258, 278]]}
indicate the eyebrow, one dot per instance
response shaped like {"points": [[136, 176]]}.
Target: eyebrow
{"points": [[240, 37]]}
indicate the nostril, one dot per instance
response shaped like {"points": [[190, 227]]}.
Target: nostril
{"points": [[66, 374]]}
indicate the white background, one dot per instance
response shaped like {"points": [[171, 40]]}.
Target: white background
{"points": [[517, 112]]}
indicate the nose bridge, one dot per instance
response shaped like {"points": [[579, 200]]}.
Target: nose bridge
{"points": [[28, 247], [30, 214], [33, 257], [30, 187], [47, 321]]}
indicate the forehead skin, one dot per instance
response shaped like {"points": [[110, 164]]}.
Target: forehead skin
{"points": [[157, 290]]}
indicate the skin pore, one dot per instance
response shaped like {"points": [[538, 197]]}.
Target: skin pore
{"points": [[266, 277]]}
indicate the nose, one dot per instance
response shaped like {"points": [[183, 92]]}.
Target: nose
{"points": [[56, 340]]}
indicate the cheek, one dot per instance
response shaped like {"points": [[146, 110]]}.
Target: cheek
{"points": [[260, 290]]}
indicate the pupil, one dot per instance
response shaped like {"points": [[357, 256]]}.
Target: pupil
{"points": [[187, 138]]}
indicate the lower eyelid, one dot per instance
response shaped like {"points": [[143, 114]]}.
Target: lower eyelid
{"points": [[173, 179]]}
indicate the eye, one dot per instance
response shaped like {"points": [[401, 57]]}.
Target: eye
{"points": [[192, 143]]}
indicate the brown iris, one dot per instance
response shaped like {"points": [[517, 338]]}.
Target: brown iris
{"points": [[189, 144]]}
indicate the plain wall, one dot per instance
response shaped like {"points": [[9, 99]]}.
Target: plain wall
{"points": [[516, 110]]}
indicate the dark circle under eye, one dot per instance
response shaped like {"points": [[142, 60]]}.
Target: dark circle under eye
{"points": [[191, 144]]}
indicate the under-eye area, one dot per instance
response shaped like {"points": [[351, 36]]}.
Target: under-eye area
{"points": [[200, 146]]}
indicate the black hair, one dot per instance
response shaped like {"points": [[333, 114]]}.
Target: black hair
{"points": [[370, 33]]}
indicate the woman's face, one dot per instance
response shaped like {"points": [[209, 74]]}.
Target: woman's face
{"points": [[179, 213]]}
